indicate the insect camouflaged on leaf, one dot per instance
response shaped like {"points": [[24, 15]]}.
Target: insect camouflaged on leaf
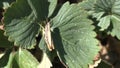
{"points": [[47, 37]]}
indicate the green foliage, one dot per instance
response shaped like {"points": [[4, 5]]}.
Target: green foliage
{"points": [[69, 28], [107, 13], [19, 59], [87, 4], [10, 61], [3, 41], [4, 59], [22, 26], [25, 59], [71, 31]]}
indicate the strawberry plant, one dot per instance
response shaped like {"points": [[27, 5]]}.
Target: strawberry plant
{"points": [[34, 32]]}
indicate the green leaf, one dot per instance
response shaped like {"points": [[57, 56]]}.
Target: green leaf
{"points": [[111, 8], [3, 41], [116, 7], [15, 64], [22, 26], [19, 59], [52, 6], [116, 26], [108, 6], [43, 47], [87, 4], [5, 58], [39, 12], [10, 61], [98, 15], [45, 63], [73, 36], [25, 59], [104, 22], [104, 5], [23, 32]]}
